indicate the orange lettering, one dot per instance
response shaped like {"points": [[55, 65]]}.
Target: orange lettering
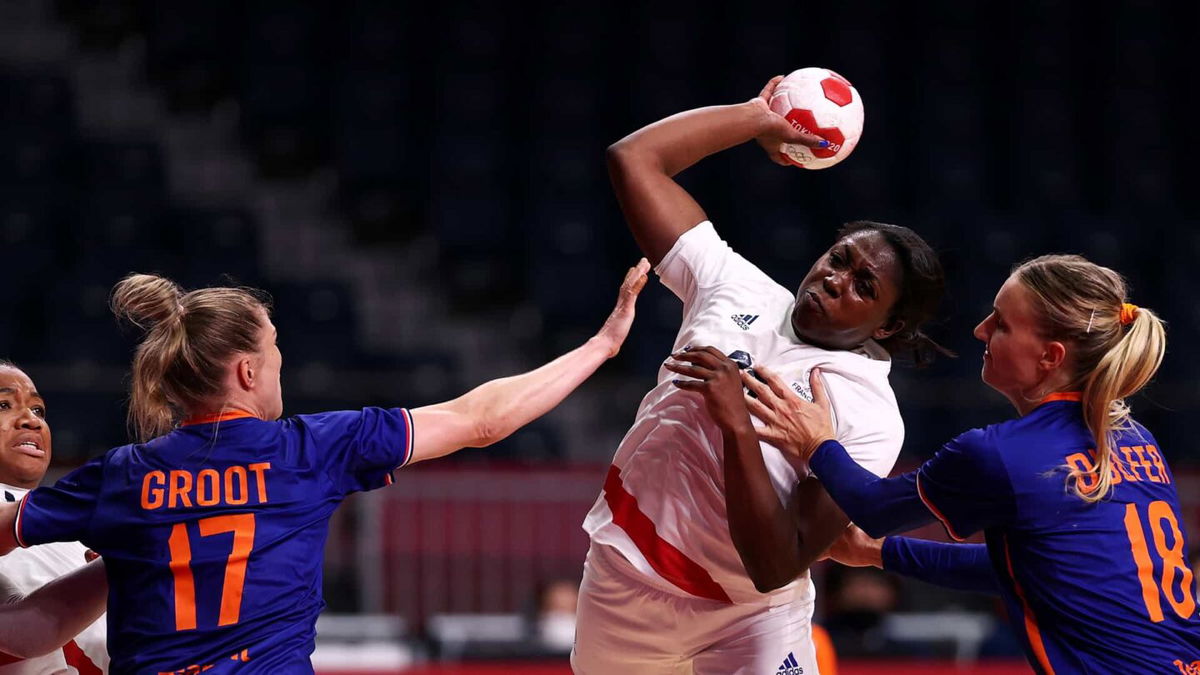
{"points": [[1087, 480], [1158, 462], [259, 468], [242, 490], [208, 491], [181, 485], [1128, 467], [1146, 466], [242, 527], [152, 497], [181, 570]]}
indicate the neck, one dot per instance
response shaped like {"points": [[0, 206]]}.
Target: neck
{"points": [[1025, 406], [233, 404]]}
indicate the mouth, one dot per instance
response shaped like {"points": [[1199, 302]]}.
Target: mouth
{"points": [[30, 447], [812, 299]]}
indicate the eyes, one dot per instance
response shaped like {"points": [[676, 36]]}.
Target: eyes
{"points": [[862, 286], [38, 410]]}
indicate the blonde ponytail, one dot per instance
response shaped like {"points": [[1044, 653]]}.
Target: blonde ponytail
{"points": [[1116, 350], [189, 338], [1122, 371]]}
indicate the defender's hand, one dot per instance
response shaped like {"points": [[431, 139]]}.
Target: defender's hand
{"points": [[616, 327], [789, 422]]}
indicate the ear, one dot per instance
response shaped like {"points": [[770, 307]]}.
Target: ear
{"points": [[1053, 356], [888, 329], [246, 373]]}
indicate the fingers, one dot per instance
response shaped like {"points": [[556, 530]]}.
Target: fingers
{"points": [[817, 384], [759, 389], [777, 386], [636, 277], [688, 370], [758, 409], [707, 357], [769, 87]]}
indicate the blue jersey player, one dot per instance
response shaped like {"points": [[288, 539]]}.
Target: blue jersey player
{"points": [[212, 531], [1084, 540]]}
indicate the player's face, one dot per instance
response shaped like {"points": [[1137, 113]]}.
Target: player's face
{"points": [[24, 433], [1014, 347], [268, 390], [848, 295]]}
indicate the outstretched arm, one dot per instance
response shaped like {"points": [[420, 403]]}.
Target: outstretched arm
{"points": [[496, 409], [963, 567], [46, 619], [642, 165]]}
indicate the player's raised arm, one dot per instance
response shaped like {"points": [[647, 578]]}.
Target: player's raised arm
{"points": [[46, 619], [642, 165], [496, 409]]}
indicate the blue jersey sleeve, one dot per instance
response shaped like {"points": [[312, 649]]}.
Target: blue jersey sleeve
{"points": [[63, 511], [964, 567], [966, 485], [362, 447], [880, 506]]}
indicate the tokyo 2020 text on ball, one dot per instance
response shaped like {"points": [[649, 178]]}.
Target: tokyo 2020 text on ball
{"points": [[821, 102]]}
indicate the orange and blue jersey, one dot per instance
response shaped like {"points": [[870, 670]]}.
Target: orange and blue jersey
{"points": [[213, 535], [1089, 587]]}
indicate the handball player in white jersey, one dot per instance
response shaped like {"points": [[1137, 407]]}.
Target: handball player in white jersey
{"points": [[25, 450], [664, 588]]}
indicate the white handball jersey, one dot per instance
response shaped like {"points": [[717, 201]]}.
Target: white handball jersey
{"points": [[663, 504], [27, 569]]}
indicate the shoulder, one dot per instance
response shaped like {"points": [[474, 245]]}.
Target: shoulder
{"points": [[710, 260]]}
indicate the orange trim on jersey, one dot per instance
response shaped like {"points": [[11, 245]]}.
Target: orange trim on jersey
{"points": [[217, 417], [1063, 396], [936, 513], [670, 563], [1032, 633]]}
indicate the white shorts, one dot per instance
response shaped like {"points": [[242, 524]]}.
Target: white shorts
{"points": [[626, 627]]}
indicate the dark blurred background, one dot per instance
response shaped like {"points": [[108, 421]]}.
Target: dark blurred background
{"points": [[421, 186]]}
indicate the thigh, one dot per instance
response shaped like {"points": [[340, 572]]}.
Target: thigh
{"points": [[623, 627], [776, 640]]}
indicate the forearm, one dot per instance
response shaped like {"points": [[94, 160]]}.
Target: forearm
{"points": [[762, 530], [679, 141], [494, 410], [49, 617], [964, 567], [880, 506]]}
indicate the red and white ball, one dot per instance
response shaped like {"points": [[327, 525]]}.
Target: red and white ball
{"points": [[822, 102]]}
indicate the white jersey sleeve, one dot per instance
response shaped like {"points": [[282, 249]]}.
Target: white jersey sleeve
{"points": [[700, 261]]}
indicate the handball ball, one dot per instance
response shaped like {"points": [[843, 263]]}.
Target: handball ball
{"points": [[822, 102]]}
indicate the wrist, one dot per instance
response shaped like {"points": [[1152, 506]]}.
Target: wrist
{"points": [[759, 113], [603, 345], [816, 444]]}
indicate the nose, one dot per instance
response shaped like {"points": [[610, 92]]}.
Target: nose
{"points": [[832, 283], [29, 420], [983, 330]]}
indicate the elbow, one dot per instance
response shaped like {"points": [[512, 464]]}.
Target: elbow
{"points": [[489, 428], [623, 158]]}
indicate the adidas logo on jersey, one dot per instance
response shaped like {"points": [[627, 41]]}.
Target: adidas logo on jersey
{"points": [[744, 320], [790, 666]]}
